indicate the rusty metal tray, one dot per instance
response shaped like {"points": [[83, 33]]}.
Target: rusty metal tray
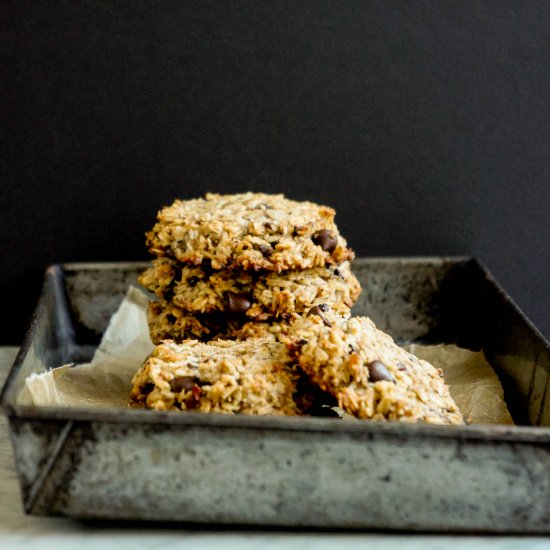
{"points": [[314, 472]]}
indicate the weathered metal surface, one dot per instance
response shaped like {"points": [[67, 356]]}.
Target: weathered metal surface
{"points": [[150, 465]]}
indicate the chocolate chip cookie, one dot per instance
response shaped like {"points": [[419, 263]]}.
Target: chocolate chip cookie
{"points": [[168, 322], [250, 231], [258, 295], [250, 377], [368, 373]]}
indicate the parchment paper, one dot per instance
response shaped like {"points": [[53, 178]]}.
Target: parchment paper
{"points": [[106, 381]]}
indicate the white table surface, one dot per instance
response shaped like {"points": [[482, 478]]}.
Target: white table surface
{"points": [[20, 531]]}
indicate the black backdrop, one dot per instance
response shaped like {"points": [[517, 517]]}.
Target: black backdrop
{"points": [[425, 124]]}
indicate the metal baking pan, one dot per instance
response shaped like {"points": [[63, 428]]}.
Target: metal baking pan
{"points": [[314, 472]]}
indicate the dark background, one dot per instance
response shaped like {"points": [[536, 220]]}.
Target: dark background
{"points": [[425, 124]]}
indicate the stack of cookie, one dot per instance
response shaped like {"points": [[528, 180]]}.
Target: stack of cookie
{"points": [[238, 266], [318, 364], [253, 316]]}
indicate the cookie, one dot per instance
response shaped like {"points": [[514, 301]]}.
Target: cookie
{"points": [[250, 377], [258, 295], [370, 375], [167, 322], [250, 231]]}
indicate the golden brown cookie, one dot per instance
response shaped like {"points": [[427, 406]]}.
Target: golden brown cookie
{"points": [[251, 377], [258, 295], [250, 231], [369, 374]]}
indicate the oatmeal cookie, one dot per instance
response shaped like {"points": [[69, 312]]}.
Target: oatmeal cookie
{"points": [[167, 322], [258, 295], [370, 375], [251, 231], [250, 377]]}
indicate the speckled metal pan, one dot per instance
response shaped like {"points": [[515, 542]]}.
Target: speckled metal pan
{"points": [[300, 472]]}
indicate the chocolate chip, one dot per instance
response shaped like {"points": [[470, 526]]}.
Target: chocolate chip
{"points": [[207, 265], [325, 239], [265, 249], [168, 295], [378, 372], [237, 303], [147, 388], [180, 383], [212, 321], [318, 310]]}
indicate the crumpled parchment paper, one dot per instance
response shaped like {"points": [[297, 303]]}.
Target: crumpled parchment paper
{"points": [[106, 380]]}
